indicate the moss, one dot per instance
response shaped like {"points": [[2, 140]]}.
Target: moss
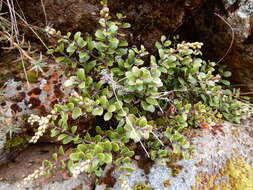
{"points": [[240, 174], [236, 175], [32, 76], [172, 163], [142, 186], [166, 183], [16, 142]]}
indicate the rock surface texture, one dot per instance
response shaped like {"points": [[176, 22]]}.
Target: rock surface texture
{"points": [[223, 158]]}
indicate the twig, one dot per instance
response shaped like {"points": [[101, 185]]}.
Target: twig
{"points": [[23, 65], [114, 92], [29, 26], [232, 40]]}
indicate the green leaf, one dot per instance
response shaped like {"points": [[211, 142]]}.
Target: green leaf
{"points": [[147, 107], [113, 27], [114, 42], [227, 74], [71, 49], [167, 43], [129, 154], [91, 44], [123, 44], [83, 57], [61, 151], [97, 138], [112, 108], [163, 38], [89, 66], [120, 16], [126, 160], [101, 47], [67, 140], [82, 85], [152, 101], [107, 146], [73, 129], [103, 101], [131, 56], [50, 51], [158, 45], [125, 168], [80, 74], [98, 148], [59, 48], [142, 121], [115, 147], [54, 132], [81, 43], [98, 111], [75, 156], [54, 156], [82, 147], [161, 53], [63, 164], [62, 136], [108, 116], [126, 25], [77, 36], [108, 158], [152, 60], [227, 83], [99, 130], [100, 35], [70, 164], [76, 113], [101, 157]]}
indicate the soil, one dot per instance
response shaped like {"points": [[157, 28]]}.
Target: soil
{"points": [[27, 162]]}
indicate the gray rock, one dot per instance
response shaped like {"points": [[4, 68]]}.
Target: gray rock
{"points": [[212, 151]]}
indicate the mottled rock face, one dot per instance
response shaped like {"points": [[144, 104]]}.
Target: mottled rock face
{"points": [[241, 61]]}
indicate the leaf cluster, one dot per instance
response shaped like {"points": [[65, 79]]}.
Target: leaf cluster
{"points": [[146, 102]]}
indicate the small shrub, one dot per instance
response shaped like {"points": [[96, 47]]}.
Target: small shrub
{"points": [[135, 101]]}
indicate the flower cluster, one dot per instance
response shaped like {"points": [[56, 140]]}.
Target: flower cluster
{"points": [[35, 175], [105, 11], [81, 167], [43, 125], [187, 45]]}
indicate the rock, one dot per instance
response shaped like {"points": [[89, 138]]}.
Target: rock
{"points": [[215, 25], [240, 17], [223, 158], [70, 184], [20, 99], [218, 155], [149, 19], [65, 15]]}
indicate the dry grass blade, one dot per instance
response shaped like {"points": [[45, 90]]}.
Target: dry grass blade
{"points": [[14, 26], [232, 40]]}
